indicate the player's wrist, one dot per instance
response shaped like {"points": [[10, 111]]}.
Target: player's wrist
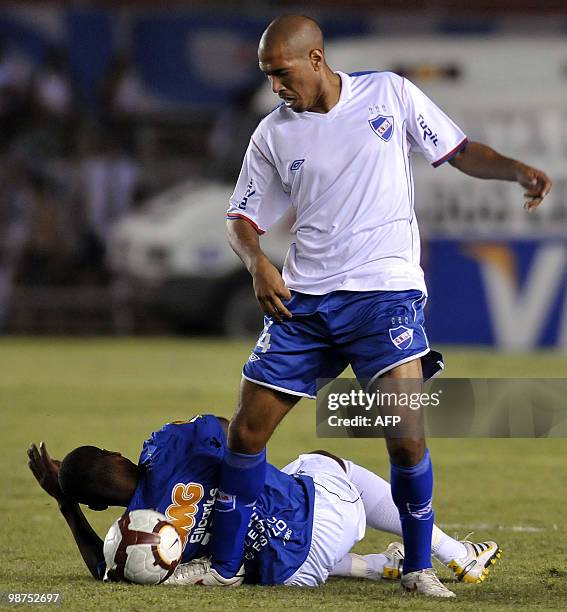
{"points": [[258, 263], [519, 171]]}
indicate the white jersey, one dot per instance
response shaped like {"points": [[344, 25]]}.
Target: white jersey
{"points": [[347, 174]]}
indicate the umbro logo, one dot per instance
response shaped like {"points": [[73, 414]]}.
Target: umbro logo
{"points": [[296, 165]]}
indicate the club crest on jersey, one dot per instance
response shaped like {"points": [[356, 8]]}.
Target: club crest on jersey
{"points": [[401, 337], [383, 126]]}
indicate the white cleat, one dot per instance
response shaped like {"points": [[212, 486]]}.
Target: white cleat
{"points": [[201, 572], [425, 582], [473, 568]]}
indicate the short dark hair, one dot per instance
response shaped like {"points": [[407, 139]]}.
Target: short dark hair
{"points": [[88, 475]]}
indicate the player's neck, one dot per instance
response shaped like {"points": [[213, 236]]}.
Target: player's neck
{"points": [[128, 485], [330, 95]]}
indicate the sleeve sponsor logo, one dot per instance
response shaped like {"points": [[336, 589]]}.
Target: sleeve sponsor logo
{"points": [[250, 191], [427, 131]]}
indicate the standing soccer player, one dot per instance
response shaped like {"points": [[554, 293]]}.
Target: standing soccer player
{"points": [[338, 150]]}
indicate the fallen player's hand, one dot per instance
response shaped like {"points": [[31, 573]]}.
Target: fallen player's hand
{"points": [[46, 471], [270, 289], [537, 183]]}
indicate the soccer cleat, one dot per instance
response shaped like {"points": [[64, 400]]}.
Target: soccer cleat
{"points": [[363, 567], [201, 572], [473, 568], [425, 582], [395, 555]]}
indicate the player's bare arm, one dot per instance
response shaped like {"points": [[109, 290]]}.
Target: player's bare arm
{"points": [[268, 283], [46, 472], [480, 161]]}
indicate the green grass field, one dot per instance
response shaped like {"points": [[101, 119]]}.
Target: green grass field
{"points": [[112, 393]]}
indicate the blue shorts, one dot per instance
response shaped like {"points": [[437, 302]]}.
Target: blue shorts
{"points": [[373, 331]]}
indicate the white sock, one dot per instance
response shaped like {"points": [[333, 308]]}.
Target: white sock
{"points": [[444, 548], [370, 567], [382, 513]]}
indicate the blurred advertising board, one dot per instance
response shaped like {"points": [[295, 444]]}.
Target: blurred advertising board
{"points": [[511, 294]]}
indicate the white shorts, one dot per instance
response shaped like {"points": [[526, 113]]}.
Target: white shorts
{"points": [[339, 520]]}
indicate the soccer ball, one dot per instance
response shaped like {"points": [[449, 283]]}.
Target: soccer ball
{"points": [[142, 547]]}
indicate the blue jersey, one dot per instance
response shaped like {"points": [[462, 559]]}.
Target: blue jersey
{"points": [[180, 476]]}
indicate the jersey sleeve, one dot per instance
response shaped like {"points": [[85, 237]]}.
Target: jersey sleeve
{"points": [[174, 442], [259, 196], [438, 137], [172, 451]]}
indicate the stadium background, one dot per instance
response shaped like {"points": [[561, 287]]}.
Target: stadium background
{"points": [[104, 107]]}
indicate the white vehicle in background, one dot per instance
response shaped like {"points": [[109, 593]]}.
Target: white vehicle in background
{"points": [[174, 252], [174, 258]]}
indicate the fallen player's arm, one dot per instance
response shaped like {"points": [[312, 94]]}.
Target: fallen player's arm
{"points": [[88, 542], [480, 161], [46, 471]]}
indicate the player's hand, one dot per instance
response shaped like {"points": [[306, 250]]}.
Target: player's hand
{"points": [[46, 471], [537, 184], [270, 289]]}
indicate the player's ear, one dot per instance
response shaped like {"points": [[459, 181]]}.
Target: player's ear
{"points": [[316, 57]]}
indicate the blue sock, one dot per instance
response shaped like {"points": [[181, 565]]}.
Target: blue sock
{"points": [[241, 482], [412, 491]]}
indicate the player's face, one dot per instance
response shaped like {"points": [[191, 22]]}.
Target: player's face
{"points": [[293, 79]]}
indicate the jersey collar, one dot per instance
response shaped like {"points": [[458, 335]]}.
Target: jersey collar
{"points": [[346, 88], [345, 95]]}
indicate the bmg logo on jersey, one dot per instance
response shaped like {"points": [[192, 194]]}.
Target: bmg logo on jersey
{"points": [[383, 126], [184, 506], [427, 131]]}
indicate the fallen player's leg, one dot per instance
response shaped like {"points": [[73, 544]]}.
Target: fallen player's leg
{"points": [[378, 566], [469, 561]]}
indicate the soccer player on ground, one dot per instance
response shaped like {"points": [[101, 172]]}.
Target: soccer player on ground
{"points": [[305, 521], [352, 292]]}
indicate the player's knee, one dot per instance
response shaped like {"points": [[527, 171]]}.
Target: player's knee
{"points": [[243, 438], [406, 452]]}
